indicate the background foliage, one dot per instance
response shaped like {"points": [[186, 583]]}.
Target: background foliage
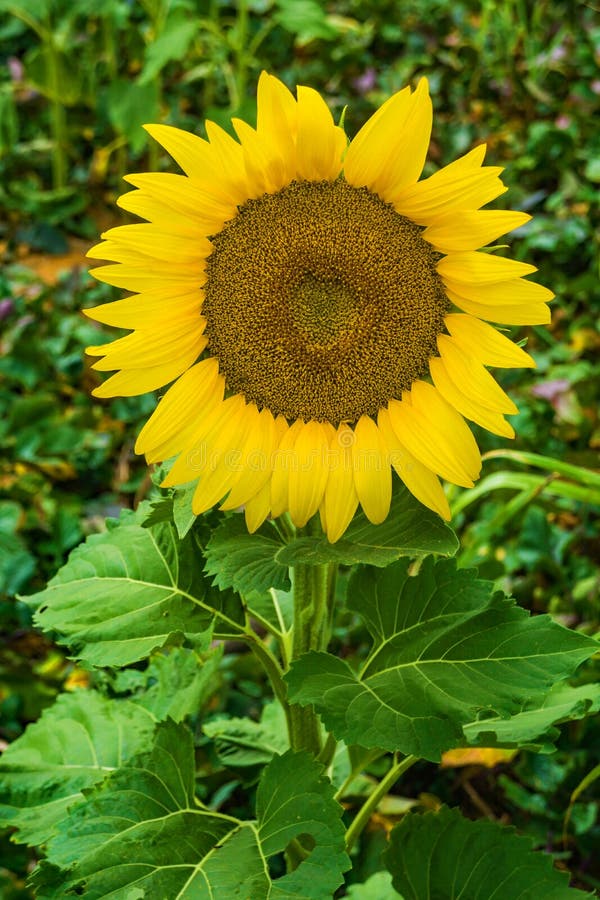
{"points": [[77, 81]]}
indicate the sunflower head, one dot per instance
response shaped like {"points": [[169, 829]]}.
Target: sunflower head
{"points": [[321, 312]]}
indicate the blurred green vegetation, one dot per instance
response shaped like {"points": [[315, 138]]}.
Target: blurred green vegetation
{"points": [[77, 81]]}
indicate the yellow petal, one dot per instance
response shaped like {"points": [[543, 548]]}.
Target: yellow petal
{"points": [[341, 499], [371, 147], [309, 471], [231, 158], [212, 164], [143, 348], [420, 481], [270, 151], [471, 229], [461, 185], [118, 253], [457, 436], [181, 436], [484, 343], [160, 243], [473, 268], [372, 473], [428, 443], [223, 459], [131, 382], [258, 508], [181, 405], [140, 278], [153, 308], [514, 292], [192, 153], [505, 313], [285, 460], [215, 433], [146, 207], [176, 194], [266, 172], [391, 152], [276, 110], [256, 459], [458, 396], [469, 373], [276, 116], [320, 143]]}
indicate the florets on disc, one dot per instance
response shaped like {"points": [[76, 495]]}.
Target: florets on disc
{"points": [[322, 302]]}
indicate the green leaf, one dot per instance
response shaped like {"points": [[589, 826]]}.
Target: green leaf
{"points": [[243, 742], [129, 106], [377, 887], [294, 798], [178, 683], [172, 43], [274, 608], [129, 591], [410, 530], [75, 744], [143, 834], [245, 562], [535, 729], [183, 514], [447, 651], [306, 20], [442, 854], [175, 507]]}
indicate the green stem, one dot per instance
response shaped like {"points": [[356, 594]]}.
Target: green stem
{"points": [[241, 61], [368, 757], [273, 670], [311, 632], [328, 752], [371, 803]]}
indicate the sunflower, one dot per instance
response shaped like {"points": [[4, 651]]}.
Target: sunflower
{"points": [[321, 312]]}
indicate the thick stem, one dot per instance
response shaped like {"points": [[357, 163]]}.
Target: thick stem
{"points": [[371, 803], [310, 633]]}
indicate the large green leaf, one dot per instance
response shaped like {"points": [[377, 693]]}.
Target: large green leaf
{"points": [[76, 743], [257, 562], [129, 591], [410, 530], [245, 562], [143, 834], [445, 855], [447, 651]]}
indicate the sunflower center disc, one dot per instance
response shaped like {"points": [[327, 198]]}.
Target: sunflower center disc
{"points": [[322, 302]]}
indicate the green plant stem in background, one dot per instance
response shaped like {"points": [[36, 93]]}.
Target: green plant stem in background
{"points": [[241, 56], [371, 803], [579, 474], [311, 632], [57, 120]]}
